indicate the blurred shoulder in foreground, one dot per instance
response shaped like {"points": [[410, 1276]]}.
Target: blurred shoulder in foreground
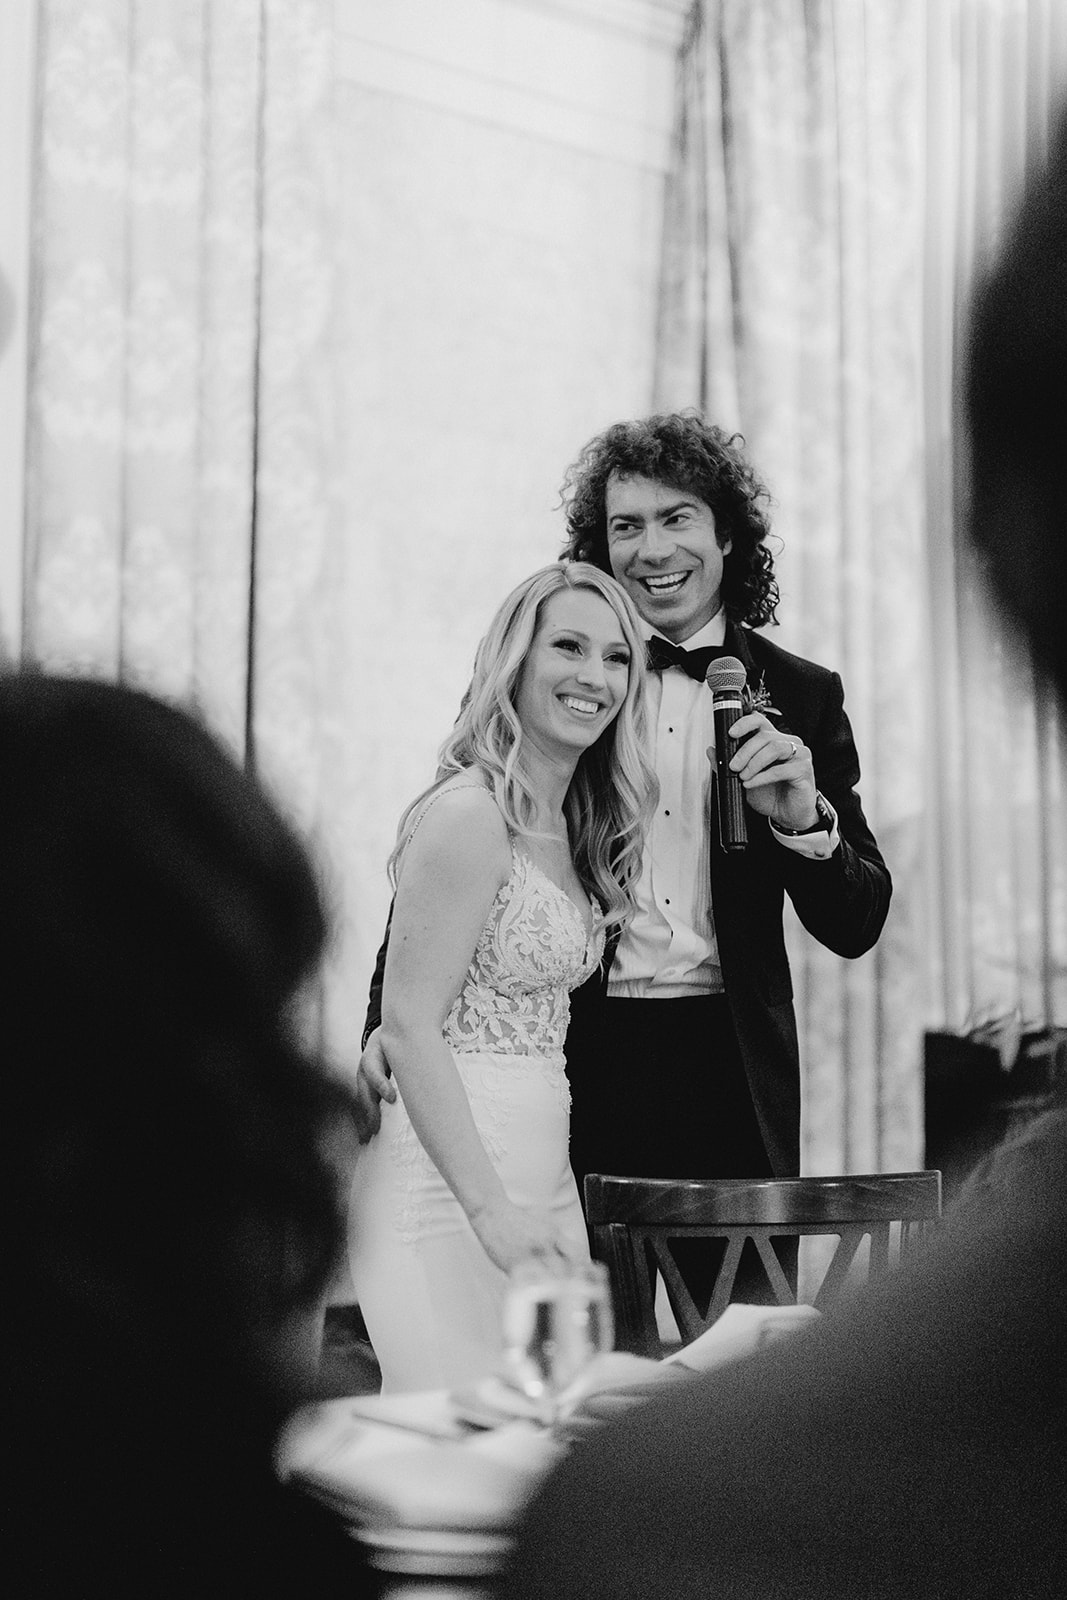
{"points": [[173, 1212]]}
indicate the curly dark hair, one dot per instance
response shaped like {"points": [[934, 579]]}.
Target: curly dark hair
{"points": [[685, 451]]}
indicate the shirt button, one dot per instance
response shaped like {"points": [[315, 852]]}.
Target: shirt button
{"points": [[666, 813], [667, 901]]}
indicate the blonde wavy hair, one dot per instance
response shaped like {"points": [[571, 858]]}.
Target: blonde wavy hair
{"points": [[613, 792]]}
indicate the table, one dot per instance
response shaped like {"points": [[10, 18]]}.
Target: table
{"points": [[433, 1498], [434, 1485]]}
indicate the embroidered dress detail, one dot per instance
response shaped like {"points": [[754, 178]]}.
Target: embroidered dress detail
{"points": [[531, 952], [510, 1017]]}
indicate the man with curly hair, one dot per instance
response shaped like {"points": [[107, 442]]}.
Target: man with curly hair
{"points": [[683, 1058], [682, 1052], [912, 1442]]}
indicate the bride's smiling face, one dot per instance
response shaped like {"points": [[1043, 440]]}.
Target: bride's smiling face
{"points": [[575, 677]]}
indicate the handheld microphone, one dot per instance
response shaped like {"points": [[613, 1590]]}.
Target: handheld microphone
{"points": [[726, 679]]}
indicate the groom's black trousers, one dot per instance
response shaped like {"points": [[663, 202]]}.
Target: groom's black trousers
{"points": [[658, 1090]]}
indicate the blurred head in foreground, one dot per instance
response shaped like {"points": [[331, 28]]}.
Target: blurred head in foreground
{"points": [[166, 1171], [1017, 404]]}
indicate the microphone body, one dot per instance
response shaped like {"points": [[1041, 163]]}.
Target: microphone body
{"points": [[726, 680]]}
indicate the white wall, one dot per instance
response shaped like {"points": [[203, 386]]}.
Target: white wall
{"points": [[500, 170], [17, 45], [499, 187]]}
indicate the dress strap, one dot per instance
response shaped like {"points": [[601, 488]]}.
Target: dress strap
{"points": [[480, 787]]}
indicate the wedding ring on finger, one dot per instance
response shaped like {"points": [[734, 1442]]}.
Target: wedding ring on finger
{"points": [[793, 747]]}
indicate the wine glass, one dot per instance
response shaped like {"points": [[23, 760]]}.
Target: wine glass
{"points": [[556, 1320]]}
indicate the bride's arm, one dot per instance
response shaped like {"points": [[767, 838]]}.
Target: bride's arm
{"points": [[452, 869]]}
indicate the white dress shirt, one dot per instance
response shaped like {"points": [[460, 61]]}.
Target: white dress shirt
{"points": [[669, 951]]}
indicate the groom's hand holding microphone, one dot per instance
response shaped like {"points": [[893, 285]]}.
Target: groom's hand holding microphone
{"points": [[756, 764]]}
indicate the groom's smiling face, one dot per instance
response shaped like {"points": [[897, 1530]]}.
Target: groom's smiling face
{"points": [[664, 550]]}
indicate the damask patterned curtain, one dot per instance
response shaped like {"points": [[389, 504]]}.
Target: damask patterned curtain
{"points": [[179, 471], [180, 526], [838, 162], [792, 313]]}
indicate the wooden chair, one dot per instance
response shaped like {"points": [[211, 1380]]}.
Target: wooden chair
{"points": [[632, 1220]]}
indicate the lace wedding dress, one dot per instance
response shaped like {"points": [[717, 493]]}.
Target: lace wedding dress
{"points": [[429, 1294]]}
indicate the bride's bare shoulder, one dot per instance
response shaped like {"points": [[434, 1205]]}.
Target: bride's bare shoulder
{"points": [[462, 821]]}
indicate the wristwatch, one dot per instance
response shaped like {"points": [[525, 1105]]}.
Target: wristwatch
{"points": [[825, 824]]}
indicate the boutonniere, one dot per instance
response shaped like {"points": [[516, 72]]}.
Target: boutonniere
{"points": [[759, 699]]}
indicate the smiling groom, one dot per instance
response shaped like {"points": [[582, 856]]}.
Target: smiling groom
{"points": [[682, 1052]]}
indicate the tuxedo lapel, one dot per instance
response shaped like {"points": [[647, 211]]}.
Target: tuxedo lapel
{"points": [[739, 642], [736, 644]]}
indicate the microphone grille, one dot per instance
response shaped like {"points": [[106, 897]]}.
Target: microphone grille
{"points": [[726, 673]]}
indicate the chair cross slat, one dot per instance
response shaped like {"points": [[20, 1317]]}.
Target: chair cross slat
{"points": [[879, 1257], [836, 1274], [633, 1221], [724, 1282], [678, 1297], [779, 1282]]}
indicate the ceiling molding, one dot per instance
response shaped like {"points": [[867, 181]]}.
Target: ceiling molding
{"points": [[592, 75], [659, 22]]}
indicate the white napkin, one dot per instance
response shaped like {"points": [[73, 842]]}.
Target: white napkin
{"points": [[612, 1385], [740, 1331], [494, 1400]]}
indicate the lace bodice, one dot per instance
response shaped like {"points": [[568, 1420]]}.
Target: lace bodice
{"points": [[505, 1030], [532, 951]]}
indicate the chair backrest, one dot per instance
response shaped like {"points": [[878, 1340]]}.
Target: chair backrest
{"points": [[632, 1220]]}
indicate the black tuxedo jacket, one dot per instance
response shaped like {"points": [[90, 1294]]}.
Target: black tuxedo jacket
{"points": [[843, 901]]}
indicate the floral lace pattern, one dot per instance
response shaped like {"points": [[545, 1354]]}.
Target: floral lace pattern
{"points": [[532, 951], [510, 1016]]}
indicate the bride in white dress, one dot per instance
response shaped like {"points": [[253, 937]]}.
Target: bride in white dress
{"points": [[508, 872]]}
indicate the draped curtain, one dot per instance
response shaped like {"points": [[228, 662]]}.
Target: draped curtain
{"points": [[823, 222], [843, 167], [180, 526], [791, 313]]}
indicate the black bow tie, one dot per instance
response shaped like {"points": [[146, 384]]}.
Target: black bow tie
{"points": [[661, 653]]}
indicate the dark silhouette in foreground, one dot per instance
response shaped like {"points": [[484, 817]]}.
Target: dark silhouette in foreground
{"points": [[171, 1205]]}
